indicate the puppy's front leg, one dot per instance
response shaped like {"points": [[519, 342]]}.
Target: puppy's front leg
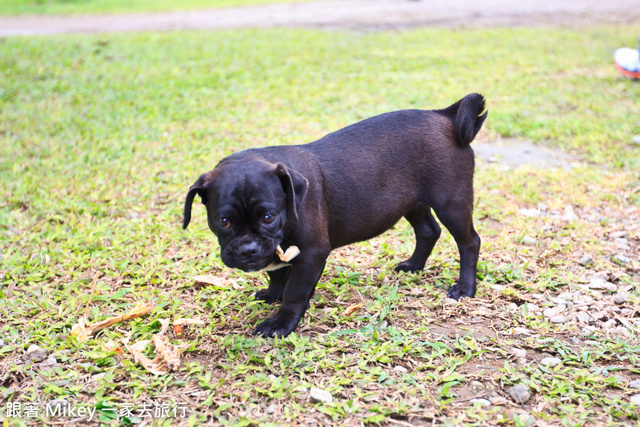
{"points": [[305, 273], [277, 282]]}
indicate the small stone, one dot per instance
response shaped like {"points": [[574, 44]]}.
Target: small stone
{"points": [[2, 343], [635, 399], [559, 301], [622, 243], [98, 377], [400, 368], [635, 140], [558, 319], [480, 402], [271, 409], [566, 296], [586, 260], [36, 354], [618, 234], [521, 331], [527, 240], [547, 228], [512, 307], [519, 393], [272, 378], [622, 259], [519, 353], [319, 395], [584, 317], [550, 312], [542, 207], [598, 315], [450, 301], [600, 283], [551, 361], [497, 288], [574, 340], [620, 298], [51, 361], [634, 384], [568, 214]]}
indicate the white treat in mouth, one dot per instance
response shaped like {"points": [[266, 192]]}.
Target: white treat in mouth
{"points": [[289, 254]]}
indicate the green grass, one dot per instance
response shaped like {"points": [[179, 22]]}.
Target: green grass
{"points": [[101, 136], [69, 7]]}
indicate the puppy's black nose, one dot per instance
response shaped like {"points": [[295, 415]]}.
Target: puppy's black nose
{"points": [[248, 249]]}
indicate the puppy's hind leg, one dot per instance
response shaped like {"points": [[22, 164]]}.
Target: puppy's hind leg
{"points": [[427, 232], [277, 282], [457, 217]]}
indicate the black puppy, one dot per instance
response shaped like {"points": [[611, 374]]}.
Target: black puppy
{"points": [[349, 186]]}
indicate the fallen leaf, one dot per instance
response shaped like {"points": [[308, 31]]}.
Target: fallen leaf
{"points": [[169, 353], [155, 366], [352, 308], [83, 330], [80, 330], [210, 279]]}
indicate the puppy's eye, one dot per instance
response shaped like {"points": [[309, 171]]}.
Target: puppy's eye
{"points": [[224, 222], [269, 218]]}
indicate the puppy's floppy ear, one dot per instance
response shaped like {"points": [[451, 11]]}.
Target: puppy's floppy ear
{"points": [[295, 186], [200, 188]]}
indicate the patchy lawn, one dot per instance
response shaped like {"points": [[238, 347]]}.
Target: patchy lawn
{"points": [[101, 136]]}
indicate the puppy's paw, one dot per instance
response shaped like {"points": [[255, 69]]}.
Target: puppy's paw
{"points": [[458, 291], [408, 267], [281, 324], [266, 296]]}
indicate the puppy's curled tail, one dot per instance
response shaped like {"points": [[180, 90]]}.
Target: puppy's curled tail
{"points": [[467, 117]]}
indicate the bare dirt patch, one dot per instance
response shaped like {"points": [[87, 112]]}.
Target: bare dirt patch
{"points": [[353, 14]]}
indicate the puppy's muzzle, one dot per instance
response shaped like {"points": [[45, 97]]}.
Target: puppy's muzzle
{"points": [[249, 254]]}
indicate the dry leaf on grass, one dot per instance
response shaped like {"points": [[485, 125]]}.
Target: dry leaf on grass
{"points": [[220, 282], [352, 308], [155, 366], [167, 355], [209, 279], [166, 351], [83, 330], [291, 253]]}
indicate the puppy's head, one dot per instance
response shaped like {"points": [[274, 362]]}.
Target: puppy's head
{"points": [[250, 202]]}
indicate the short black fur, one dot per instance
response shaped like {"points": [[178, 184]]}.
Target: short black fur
{"points": [[349, 186]]}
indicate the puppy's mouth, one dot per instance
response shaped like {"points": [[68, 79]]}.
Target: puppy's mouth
{"points": [[255, 262], [255, 265]]}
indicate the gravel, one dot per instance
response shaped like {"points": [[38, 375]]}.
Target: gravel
{"points": [[319, 395], [36, 354], [519, 393], [550, 361]]}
